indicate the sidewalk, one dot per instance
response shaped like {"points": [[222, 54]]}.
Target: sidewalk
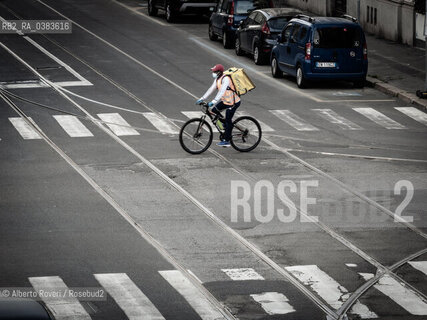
{"points": [[396, 69]]}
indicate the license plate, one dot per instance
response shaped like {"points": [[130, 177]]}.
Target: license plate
{"points": [[325, 64]]}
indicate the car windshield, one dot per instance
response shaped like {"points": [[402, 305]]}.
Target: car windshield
{"points": [[277, 23], [244, 7], [337, 37]]}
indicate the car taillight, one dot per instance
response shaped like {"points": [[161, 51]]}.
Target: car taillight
{"points": [[265, 29], [230, 16], [365, 51], [308, 51]]}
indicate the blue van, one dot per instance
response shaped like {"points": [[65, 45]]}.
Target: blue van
{"points": [[321, 48]]}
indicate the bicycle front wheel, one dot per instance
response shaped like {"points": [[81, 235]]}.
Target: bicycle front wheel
{"points": [[195, 136], [246, 134]]}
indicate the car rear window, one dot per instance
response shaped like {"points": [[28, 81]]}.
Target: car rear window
{"points": [[278, 23], [244, 7], [337, 37]]}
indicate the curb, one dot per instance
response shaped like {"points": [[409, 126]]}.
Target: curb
{"points": [[399, 93]]}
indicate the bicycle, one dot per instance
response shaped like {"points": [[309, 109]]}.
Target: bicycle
{"points": [[196, 134]]}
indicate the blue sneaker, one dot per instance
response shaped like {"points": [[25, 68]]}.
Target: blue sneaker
{"points": [[223, 143]]}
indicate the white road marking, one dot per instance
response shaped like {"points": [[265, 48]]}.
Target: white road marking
{"points": [[379, 118], [194, 297], [117, 124], [414, 113], [327, 288], [198, 114], [407, 299], [26, 132], [351, 265], [273, 303], [243, 274], [264, 127], [63, 308], [293, 120], [335, 118], [82, 81], [128, 296], [419, 265], [73, 126], [160, 123]]}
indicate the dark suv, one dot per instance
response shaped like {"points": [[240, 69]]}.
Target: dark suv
{"points": [[173, 8], [227, 16], [321, 48], [257, 34]]}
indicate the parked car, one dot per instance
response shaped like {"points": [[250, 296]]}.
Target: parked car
{"points": [[319, 48], [173, 8], [23, 309], [226, 18], [257, 34]]}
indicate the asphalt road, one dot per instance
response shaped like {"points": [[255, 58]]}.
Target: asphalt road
{"points": [[129, 211]]}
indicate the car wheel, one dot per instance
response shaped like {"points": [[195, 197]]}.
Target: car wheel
{"points": [[259, 57], [359, 83], [301, 81], [237, 47], [212, 35], [226, 41], [152, 11], [170, 15], [275, 71]]}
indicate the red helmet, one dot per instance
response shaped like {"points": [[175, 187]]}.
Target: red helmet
{"points": [[218, 68]]}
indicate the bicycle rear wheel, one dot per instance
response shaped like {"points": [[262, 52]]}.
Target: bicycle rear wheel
{"points": [[195, 136], [246, 134]]}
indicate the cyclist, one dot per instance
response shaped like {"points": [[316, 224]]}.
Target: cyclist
{"points": [[226, 99]]}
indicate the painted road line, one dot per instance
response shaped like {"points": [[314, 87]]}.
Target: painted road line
{"points": [[72, 126], [419, 265], [264, 127], [404, 297], [25, 130], [122, 128], [379, 118], [293, 120], [335, 118], [273, 303], [242, 274], [162, 124], [414, 113], [63, 308], [128, 296], [198, 114], [194, 297], [328, 289]]}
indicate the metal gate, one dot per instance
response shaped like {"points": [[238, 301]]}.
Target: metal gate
{"points": [[340, 7]]}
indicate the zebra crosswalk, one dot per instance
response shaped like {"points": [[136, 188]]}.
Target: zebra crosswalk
{"points": [[135, 304], [77, 128]]}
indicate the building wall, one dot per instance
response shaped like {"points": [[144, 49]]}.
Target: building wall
{"points": [[389, 19]]}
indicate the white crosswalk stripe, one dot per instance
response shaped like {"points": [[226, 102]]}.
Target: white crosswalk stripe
{"points": [[379, 118], [72, 126], [198, 114], [419, 265], [328, 289], [241, 274], [273, 303], [117, 124], [64, 308], [128, 296], [24, 129], [293, 120], [404, 297], [160, 123], [264, 126], [192, 295], [335, 118], [414, 113]]}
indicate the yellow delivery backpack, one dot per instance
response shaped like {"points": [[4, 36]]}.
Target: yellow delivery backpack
{"points": [[242, 83]]}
